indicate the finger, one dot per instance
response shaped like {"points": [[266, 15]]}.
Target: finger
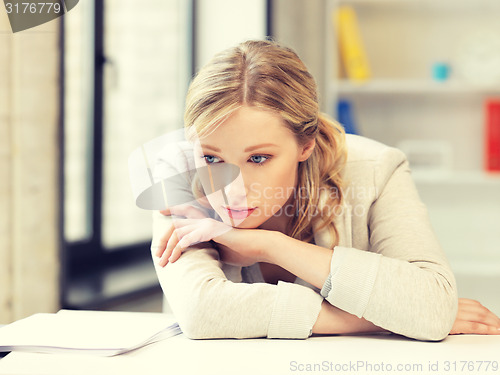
{"points": [[185, 242], [172, 243], [166, 253], [195, 213], [189, 239], [165, 212], [188, 211], [479, 315], [164, 240], [467, 327], [481, 310], [180, 209], [179, 223], [468, 301], [176, 254], [175, 210], [164, 257], [163, 243], [177, 235], [465, 303]]}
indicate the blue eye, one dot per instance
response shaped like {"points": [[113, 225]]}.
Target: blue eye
{"points": [[259, 157], [258, 160], [209, 158]]}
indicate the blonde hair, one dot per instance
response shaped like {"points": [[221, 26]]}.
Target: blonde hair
{"points": [[267, 75]]}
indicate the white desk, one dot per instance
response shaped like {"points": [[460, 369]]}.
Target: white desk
{"points": [[330, 354]]}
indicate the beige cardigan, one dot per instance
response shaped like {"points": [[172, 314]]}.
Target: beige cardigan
{"points": [[388, 267]]}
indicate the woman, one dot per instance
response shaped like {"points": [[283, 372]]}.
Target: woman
{"points": [[321, 233]]}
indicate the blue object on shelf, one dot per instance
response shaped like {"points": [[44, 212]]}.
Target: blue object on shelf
{"points": [[345, 116], [440, 71]]}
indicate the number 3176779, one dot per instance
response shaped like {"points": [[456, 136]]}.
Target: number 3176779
{"points": [[33, 7]]}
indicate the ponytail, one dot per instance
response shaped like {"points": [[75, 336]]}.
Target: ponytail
{"points": [[321, 172]]}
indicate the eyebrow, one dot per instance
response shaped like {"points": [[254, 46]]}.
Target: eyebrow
{"points": [[251, 148]]}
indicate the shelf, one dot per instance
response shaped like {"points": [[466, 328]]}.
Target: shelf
{"points": [[457, 178], [412, 86]]}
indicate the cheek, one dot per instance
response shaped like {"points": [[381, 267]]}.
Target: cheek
{"points": [[285, 176], [215, 200], [277, 185]]}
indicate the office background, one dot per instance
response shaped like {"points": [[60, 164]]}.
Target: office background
{"points": [[80, 93]]}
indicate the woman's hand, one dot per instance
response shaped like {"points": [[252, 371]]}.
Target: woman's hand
{"points": [[474, 318], [242, 247], [235, 246], [185, 210], [185, 232]]}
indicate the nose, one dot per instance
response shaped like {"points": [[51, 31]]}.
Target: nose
{"points": [[237, 192]]}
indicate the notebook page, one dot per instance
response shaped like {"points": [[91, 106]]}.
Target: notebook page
{"points": [[84, 330]]}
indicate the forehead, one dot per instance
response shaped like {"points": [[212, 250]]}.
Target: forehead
{"points": [[251, 124]]}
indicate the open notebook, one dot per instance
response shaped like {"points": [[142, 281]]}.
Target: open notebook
{"points": [[102, 333]]}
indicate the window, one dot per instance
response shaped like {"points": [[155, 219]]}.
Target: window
{"points": [[127, 67]]}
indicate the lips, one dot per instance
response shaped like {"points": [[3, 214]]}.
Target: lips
{"points": [[239, 213]]}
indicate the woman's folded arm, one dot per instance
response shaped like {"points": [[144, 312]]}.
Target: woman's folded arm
{"points": [[397, 295], [208, 305], [404, 283]]}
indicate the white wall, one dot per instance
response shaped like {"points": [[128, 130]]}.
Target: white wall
{"points": [[223, 23], [29, 162]]}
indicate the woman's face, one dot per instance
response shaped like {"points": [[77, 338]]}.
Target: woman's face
{"points": [[267, 155]]}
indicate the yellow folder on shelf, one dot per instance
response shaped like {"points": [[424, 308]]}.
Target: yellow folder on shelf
{"points": [[352, 52]]}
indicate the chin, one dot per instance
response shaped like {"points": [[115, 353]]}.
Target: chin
{"points": [[245, 224]]}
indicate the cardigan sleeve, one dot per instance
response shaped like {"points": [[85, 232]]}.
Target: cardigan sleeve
{"points": [[208, 305], [403, 283], [203, 300]]}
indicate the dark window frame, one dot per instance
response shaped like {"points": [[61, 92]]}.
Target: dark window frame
{"points": [[87, 262]]}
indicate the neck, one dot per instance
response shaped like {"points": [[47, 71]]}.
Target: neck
{"points": [[275, 223], [281, 221]]}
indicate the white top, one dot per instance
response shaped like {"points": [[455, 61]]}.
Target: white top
{"points": [[388, 267]]}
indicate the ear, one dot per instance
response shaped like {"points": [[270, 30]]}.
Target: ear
{"points": [[307, 150]]}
